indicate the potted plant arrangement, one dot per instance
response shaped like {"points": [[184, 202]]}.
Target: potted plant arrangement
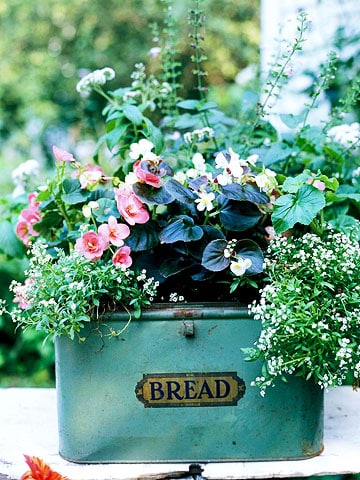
{"points": [[143, 276]]}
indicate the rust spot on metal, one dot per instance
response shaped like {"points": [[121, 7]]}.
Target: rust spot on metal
{"points": [[210, 330]]}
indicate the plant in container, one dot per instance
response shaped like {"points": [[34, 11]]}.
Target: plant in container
{"points": [[142, 275]]}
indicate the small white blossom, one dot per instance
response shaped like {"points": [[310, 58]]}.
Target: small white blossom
{"points": [[98, 77], [142, 148], [204, 202], [240, 266]]}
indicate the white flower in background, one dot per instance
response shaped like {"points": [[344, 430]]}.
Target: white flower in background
{"points": [[98, 77], [239, 266], [204, 202], [199, 135], [22, 174], [154, 52], [345, 134], [142, 148], [199, 163]]}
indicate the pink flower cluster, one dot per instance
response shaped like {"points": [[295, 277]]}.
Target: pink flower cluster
{"points": [[28, 217], [93, 244]]}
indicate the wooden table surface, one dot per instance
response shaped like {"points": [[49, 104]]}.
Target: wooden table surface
{"points": [[28, 425]]}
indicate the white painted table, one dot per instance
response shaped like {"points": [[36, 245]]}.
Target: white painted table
{"points": [[28, 425]]}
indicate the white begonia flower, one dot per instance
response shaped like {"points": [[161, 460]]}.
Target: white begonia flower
{"points": [[131, 178], [199, 162], [235, 167], [98, 77], [224, 179], [239, 266], [266, 180], [180, 177], [221, 161], [142, 148], [252, 159], [204, 202]]}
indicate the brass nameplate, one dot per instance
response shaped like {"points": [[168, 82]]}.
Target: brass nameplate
{"points": [[197, 389]]}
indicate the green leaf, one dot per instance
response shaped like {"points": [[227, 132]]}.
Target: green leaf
{"points": [[173, 266], [155, 135], [291, 120], [9, 242], [187, 121], [73, 193], [133, 114], [300, 207], [208, 106], [251, 250], [292, 184], [107, 207], [188, 104]]}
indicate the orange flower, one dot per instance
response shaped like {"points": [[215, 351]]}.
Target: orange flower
{"points": [[39, 470]]}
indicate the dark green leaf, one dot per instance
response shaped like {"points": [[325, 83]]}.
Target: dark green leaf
{"points": [[179, 191], [143, 237], [213, 256], [234, 191], [151, 195], [181, 229], [251, 250], [238, 216]]}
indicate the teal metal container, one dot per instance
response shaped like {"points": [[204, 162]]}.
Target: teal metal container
{"points": [[174, 387]]}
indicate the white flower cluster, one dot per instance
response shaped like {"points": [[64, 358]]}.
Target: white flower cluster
{"points": [[199, 135], [346, 135], [310, 309], [98, 77]]}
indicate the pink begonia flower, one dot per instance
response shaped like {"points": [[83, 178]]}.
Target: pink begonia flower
{"points": [[130, 207], [122, 257], [32, 199], [114, 231], [27, 218], [144, 176], [317, 184], [62, 155], [92, 245]]}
